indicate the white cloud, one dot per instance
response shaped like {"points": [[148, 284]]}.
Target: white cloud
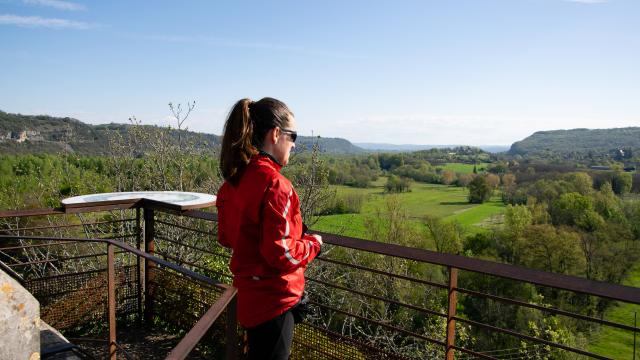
{"points": [[212, 41], [57, 4], [453, 129], [37, 21]]}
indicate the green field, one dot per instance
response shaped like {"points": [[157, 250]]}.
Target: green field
{"points": [[448, 202], [617, 343], [462, 168]]}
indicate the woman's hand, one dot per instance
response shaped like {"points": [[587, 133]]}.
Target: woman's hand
{"points": [[318, 238]]}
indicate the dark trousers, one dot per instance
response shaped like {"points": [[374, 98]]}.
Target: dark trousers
{"points": [[271, 340]]}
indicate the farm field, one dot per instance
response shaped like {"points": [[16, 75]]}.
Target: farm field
{"points": [[442, 201], [618, 343], [462, 168]]}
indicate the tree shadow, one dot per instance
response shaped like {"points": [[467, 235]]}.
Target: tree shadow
{"points": [[454, 203]]}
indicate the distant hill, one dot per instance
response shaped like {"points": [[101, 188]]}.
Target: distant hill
{"points": [[28, 134], [412, 147], [597, 141], [328, 145]]}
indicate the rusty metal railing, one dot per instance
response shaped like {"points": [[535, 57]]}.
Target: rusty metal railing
{"points": [[182, 350], [51, 259], [453, 265], [395, 316]]}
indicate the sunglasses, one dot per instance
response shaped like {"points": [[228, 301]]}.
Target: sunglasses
{"points": [[292, 134]]}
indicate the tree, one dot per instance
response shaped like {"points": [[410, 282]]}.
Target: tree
{"points": [[570, 209], [493, 180], [508, 180], [464, 179], [621, 182], [517, 218], [448, 177], [582, 182], [550, 249], [447, 236], [479, 190], [311, 180]]}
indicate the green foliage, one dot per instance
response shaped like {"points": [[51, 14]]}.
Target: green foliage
{"points": [[397, 184], [356, 171], [447, 236], [594, 143], [350, 203], [310, 177], [479, 190]]}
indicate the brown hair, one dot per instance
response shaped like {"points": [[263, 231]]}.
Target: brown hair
{"points": [[244, 132]]}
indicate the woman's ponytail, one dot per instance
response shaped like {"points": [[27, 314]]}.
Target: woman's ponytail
{"points": [[237, 147], [245, 130]]}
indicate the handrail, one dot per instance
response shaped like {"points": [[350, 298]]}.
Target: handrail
{"points": [[539, 277], [197, 332], [129, 248], [451, 261], [514, 272], [189, 341]]}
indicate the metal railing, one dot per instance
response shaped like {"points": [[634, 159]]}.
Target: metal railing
{"points": [[375, 299], [78, 298]]}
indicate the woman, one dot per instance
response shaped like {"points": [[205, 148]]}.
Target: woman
{"points": [[259, 218]]}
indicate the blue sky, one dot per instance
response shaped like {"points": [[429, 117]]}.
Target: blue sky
{"points": [[420, 72]]}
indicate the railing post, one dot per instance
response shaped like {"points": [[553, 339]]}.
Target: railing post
{"points": [[139, 269], [111, 288], [232, 331], [451, 312], [149, 248]]}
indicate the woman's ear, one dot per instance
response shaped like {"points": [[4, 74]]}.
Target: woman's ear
{"points": [[274, 135]]}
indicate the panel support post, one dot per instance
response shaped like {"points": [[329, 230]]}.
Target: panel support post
{"points": [[111, 288], [451, 312], [149, 248]]}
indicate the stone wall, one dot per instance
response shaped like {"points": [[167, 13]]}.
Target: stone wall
{"points": [[19, 321]]}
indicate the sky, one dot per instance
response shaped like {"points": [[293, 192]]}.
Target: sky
{"points": [[472, 72]]}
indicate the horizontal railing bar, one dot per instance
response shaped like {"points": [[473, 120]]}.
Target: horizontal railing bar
{"points": [[195, 214], [191, 339], [531, 338], [403, 277], [68, 225], [391, 327], [191, 264], [539, 277], [476, 354], [77, 273], [85, 289], [161, 237], [61, 243], [129, 248], [35, 245], [67, 210], [31, 212], [63, 259], [409, 306], [185, 227], [6, 268], [123, 236], [548, 309]]}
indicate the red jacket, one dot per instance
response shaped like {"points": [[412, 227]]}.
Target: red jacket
{"points": [[260, 220]]}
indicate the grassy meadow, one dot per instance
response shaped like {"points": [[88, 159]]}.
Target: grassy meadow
{"points": [[618, 343], [448, 202], [462, 168]]}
